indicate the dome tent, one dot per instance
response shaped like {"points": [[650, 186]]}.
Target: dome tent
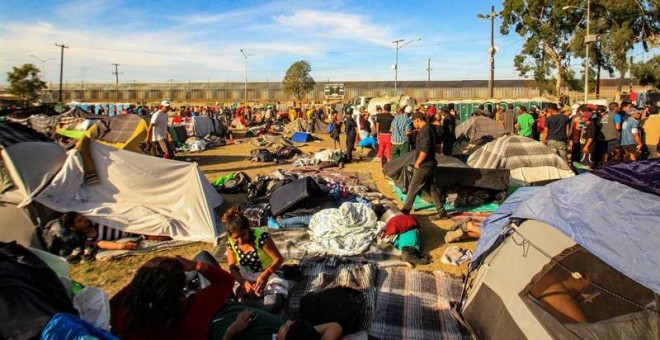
{"points": [[597, 231]]}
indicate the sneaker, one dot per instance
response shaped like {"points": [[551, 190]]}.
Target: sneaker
{"points": [[75, 256], [442, 215], [272, 223]]}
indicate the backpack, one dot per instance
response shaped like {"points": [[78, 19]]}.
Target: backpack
{"points": [[59, 240]]}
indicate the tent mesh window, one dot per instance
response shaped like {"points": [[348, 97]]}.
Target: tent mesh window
{"points": [[585, 296]]}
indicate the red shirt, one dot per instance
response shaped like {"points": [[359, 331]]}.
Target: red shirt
{"points": [[199, 310]]}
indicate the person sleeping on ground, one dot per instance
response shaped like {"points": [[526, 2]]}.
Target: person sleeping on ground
{"points": [[154, 305], [253, 258], [85, 238]]}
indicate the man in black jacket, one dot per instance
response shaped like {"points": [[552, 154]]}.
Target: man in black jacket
{"points": [[424, 168]]}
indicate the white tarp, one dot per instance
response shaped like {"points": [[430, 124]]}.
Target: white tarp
{"points": [[137, 193]]}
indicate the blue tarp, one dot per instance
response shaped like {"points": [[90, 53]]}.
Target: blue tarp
{"points": [[616, 223]]}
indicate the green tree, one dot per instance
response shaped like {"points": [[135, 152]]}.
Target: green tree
{"points": [[648, 73], [547, 31], [297, 80], [619, 25], [25, 83]]}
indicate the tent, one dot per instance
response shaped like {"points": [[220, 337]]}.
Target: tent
{"points": [[12, 133], [30, 166], [530, 162], [137, 193], [479, 127], [597, 236], [124, 132]]}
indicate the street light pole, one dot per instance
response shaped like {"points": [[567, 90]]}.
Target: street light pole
{"points": [[246, 74], [396, 62]]}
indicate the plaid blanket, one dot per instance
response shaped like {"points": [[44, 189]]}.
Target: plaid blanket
{"points": [[42, 123], [415, 305], [512, 152], [117, 129], [325, 272], [478, 127]]}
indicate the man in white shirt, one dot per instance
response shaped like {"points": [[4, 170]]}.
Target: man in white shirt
{"points": [[157, 132]]}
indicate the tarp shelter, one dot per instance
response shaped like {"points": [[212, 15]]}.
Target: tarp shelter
{"points": [[530, 162], [479, 127], [586, 231], [13, 133], [290, 195], [449, 172], [137, 193], [30, 166]]}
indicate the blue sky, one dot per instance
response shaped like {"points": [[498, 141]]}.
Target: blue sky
{"points": [[198, 41]]}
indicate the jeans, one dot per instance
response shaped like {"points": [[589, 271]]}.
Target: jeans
{"points": [[295, 222], [350, 146], [420, 177], [559, 147]]}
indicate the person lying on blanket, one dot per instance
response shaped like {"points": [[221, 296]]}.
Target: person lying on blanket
{"points": [[253, 258], [91, 241], [154, 305]]}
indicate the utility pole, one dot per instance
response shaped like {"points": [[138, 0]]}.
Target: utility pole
{"points": [[246, 58], [492, 50], [62, 46], [586, 62], [428, 70], [116, 73]]}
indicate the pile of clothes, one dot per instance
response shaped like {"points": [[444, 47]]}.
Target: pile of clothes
{"points": [[283, 152]]}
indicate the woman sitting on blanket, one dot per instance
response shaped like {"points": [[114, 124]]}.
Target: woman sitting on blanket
{"points": [[155, 305], [253, 258]]}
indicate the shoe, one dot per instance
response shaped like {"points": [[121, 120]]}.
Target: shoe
{"points": [[88, 255], [272, 223], [439, 216], [454, 235], [75, 256]]}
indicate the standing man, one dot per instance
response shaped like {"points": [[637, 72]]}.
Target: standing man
{"points": [[448, 132], [384, 128], [402, 128], [555, 131], [158, 134], [525, 123], [587, 138], [424, 169], [510, 118], [351, 135], [609, 134], [631, 140]]}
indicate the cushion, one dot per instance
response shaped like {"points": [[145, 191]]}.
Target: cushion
{"points": [[399, 224]]}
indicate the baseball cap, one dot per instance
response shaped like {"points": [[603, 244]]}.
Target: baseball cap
{"points": [[165, 102], [408, 109]]}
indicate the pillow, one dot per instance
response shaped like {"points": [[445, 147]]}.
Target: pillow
{"points": [[399, 224]]}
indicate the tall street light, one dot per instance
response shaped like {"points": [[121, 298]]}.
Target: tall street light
{"points": [[43, 63], [587, 40], [396, 63], [246, 58]]}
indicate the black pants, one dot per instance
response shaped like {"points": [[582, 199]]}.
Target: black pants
{"points": [[350, 146], [421, 177]]}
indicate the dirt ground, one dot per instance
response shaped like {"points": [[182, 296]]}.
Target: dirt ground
{"points": [[111, 276]]}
